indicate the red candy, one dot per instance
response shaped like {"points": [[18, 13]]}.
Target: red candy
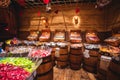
{"points": [[10, 72], [39, 53]]}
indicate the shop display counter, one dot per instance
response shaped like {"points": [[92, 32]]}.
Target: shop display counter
{"points": [[45, 35], [114, 40], [45, 70], [91, 57], [91, 37], [21, 68], [59, 36], [109, 50], [33, 35], [75, 36]]}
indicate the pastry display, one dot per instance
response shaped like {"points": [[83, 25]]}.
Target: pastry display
{"points": [[91, 37], [33, 35], [113, 49], [44, 36], [110, 49], [59, 36], [114, 40], [75, 36]]}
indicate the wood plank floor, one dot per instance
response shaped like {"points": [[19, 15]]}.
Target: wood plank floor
{"points": [[68, 74]]}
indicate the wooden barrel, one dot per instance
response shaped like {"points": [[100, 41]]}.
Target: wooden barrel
{"points": [[101, 74], [46, 76], [45, 70], [62, 60], [53, 56], [75, 61], [75, 66], [114, 70], [115, 66], [75, 58], [76, 51], [102, 69], [112, 75], [90, 64]]}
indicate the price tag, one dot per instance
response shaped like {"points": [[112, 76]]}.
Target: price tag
{"points": [[104, 62], [86, 53], [57, 54]]}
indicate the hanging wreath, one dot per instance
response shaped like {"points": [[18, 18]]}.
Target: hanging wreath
{"points": [[4, 3]]}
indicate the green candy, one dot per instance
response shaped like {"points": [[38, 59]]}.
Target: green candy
{"points": [[25, 63]]}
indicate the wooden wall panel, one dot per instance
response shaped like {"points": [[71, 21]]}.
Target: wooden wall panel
{"points": [[8, 16], [90, 17], [113, 16]]}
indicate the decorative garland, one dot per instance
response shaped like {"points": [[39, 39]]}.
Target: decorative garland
{"points": [[4, 3]]}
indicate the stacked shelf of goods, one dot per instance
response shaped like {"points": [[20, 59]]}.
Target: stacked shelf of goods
{"points": [[114, 40], [75, 36], [92, 37], [111, 48], [27, 50], [59, 53], [33, 35], [108, 51], [76, 49], [45, 35], [59, 36], [45, 70], [91, 53]]}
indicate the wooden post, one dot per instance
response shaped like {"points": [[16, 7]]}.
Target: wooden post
{"points": [[64, 20]]}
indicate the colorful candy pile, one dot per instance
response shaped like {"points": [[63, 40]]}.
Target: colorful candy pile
{"points": [[39, 53], [11, 72], [25, 63]]}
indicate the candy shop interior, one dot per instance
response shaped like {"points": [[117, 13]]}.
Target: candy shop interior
{"points": [[59, 39]]}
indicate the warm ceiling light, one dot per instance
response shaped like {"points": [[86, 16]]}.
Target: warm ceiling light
{"points": [[76, 21], [44, 21]]}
